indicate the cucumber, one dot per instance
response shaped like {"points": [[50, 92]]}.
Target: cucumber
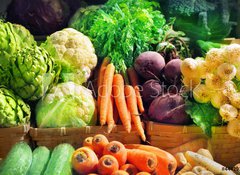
{"points": [[41, 156], [18, 160], [60, 161]]}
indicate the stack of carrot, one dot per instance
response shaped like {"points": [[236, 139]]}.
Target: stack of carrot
{"points": [[117, 98], [100, 156]]}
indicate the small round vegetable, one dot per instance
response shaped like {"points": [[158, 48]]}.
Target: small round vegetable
{"points": [[149, 64], [169, 108], [99, 142], [233, 127], [228, 112], [226, 71], [214, 82], [205, 172], [189, 68], [201, 94], [198, 169], [84, 160], [172, 71], [235, 100], [191, 83], [218, 99], [151, 90]]}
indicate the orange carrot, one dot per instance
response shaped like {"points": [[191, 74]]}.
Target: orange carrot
{"points": [[99, 142], [132, 74], [143, 160], [167, 164], [120, 172], [118, 150], [132, 107], [130, 168], [107, 165], [110, 120], [106, 92], [143, 173], [101, 72], [88, 142], [118, 93], [84, 160]]}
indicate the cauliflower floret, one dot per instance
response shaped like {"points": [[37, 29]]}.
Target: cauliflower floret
{"points": [[75, 52]]}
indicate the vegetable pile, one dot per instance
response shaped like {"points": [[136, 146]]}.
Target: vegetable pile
{"points": [[117, 31]]}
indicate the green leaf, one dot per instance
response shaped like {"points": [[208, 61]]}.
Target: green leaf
{"points": [[204, 115], [237, 83]]}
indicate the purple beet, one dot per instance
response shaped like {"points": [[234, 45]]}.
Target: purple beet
{"points": [[172, 72], [149, 64]]}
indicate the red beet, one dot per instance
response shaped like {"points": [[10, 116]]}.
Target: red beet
{"points": [[172, 72]]}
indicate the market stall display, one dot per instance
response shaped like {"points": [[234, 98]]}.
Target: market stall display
{"points": [[127, 87]]}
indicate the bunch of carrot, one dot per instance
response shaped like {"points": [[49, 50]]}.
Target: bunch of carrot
{"points": [[116, 98], [98, 155]]}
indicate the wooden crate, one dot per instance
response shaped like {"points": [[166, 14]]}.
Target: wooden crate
{"points": [[225, 148], [10, 136], [51, 137]]}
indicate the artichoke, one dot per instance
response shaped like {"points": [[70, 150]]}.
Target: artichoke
{"points": [[13, 110], [31, 72], [13, 37]]}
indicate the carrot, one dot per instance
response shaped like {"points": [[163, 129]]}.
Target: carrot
{"points": [[132, 74], [130, 168], [167, 164], [84, 161], [88, 142], [143, 173], [143, 160], [132, 107], [106, 93], [101, 72], [120, 172], [193, 145], [110, 120], [118, 93], [99, 142], [118, 150], [107, 165]]}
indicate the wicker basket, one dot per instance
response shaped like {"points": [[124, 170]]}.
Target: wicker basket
{"points": [[225, 148], [10, 136], [50, 137]]}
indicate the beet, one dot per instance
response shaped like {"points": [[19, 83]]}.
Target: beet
{"points": [[172, 71], [149, 64], [151, 90], [169, 108]]}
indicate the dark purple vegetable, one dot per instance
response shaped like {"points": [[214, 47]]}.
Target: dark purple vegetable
{"points": [[169, 108], [41, 17], [172, 72], [149, 64], [151, 90]]}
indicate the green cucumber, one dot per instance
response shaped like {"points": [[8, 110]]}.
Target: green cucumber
{"points": [[41, 156], [60, 161], [18, 160]]}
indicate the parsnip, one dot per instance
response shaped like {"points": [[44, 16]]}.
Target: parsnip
{"points": [[209, 164], [181, 160], [186, 168], [189, 173], [205, 153], [198, 169], [206, 173]]}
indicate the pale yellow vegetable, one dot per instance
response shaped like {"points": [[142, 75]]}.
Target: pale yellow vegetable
{"points": [[198, 169], [186, 168], [206, 153], [209, 164], [181, 160], [189, 173], [205, 172]]}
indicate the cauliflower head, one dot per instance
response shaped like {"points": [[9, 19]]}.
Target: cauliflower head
{"points": [[75, 53]]}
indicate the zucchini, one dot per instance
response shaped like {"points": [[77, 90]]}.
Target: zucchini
{"points": [[41, 156], [18, 160], [60, 161]]}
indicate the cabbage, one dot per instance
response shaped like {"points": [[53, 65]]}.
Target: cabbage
{"points": [[66, 105], [41, 17]]}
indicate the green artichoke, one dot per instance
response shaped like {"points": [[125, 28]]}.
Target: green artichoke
{"points": [[13, 110], [31, 72], [13, 37]]}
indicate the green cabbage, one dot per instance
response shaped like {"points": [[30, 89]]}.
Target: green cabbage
{"points": [[66, 105], [13, 110]]}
